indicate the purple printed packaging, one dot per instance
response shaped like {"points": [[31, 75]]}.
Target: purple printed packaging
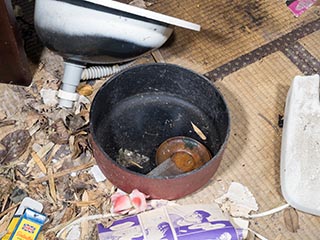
{"points": [[173, 223], [298, 7]]}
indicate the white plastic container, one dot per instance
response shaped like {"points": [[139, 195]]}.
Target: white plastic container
{"points": [[300, 150]]}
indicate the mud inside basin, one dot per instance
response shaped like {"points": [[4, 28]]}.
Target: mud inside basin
{"points": [[141, 107]]}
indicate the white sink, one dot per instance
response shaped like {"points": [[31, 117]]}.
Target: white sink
{"points": [[101, 31]]}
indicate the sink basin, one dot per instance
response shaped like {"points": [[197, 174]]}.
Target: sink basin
{"points": [[101, 31]]}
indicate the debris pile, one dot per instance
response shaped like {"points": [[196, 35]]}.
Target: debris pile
{"points": [[45, 154]]}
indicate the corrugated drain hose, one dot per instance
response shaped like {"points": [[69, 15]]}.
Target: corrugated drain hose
{"points": [[103, 71]]}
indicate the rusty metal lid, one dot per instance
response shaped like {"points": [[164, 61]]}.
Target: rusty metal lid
{"points": [[187, 153]]}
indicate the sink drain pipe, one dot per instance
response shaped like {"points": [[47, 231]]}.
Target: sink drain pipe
{"points": [[73, 73]]}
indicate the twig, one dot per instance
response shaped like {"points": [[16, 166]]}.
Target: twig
{"points": [[270, 123], [7, 123], [136, 164], [61, 226], [198, 131], [9, 209], [4, 203], [84, 203], [64, 172]]}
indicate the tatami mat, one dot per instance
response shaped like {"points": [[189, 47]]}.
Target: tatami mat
{"points": [[256, 97], [229, 29], [312, 44]]}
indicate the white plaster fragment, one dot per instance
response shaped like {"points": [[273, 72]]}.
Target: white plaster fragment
{"points": [[49, 97], [97, 174], [238, 201]]}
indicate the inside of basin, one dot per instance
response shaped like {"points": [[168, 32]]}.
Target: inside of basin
{"points": [[142, 107]]}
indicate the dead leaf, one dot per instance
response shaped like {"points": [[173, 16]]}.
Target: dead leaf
{"points": [[198, 131], [75, 122], [15, 143], [61, 134], [291, 219], [85, 90], [68, 214], [6, 187], [3, 150], [80, 145]]}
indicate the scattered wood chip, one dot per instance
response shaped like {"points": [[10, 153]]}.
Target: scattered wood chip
{"points": [[42, 152], [64, 172], [34, 128], [15, 143], [5, 220], [84, 226], [52, 153], [198, 131], [52, 185], [38, 161], [291, 219]]}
